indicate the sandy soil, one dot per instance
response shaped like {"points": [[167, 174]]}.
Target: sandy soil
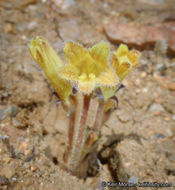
{"points": [[137, 143]]}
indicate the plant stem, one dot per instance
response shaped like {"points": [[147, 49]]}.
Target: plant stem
{"points": [[85, 123]]}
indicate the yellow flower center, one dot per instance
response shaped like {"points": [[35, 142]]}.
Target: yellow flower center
{"points": [[85, 77]]}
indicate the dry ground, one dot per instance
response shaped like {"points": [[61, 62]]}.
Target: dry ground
{"points": [[137, 143]]}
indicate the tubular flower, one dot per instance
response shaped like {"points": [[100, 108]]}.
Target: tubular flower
{"points": [[49, 61], [87, 84], [88, 68], [123, 61]]}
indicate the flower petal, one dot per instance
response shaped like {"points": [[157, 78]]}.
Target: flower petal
{"points": [[87, 65], [122, 69], [123, 61], [48, 60], [134, 57], [100, 53], [122, 50], [86, 83], [69, 72], [108, 78], [108, 91], [74, 53], [86, 87], [39, 46]]}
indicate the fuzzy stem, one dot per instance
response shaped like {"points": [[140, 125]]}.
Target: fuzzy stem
{"points": [[71, 131], [99, 117], [84, 129], [77, 131]]}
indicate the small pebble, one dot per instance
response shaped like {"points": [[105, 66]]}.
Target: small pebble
{"points": [[32, 25], [16, 123], [166, 118], [9, 29], [171, 86], [14, 111], [138, 91], [145, 90], [105, 5], [127, 164], [26, 183], [11, 111], [156, 108], [133, 179], [159, 136], [137, 82], [14, 178], [8, 170], [169, 132], [143, 74], [34, 168], [23, 37], [157, 114]]}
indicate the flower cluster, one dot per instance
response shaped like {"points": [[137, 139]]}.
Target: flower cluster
{"points": [[86, 84], [87, 69]]}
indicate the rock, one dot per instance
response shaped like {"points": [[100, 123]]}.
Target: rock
{"points": [[169, 106], [141, 36], [32, 25], [157, 113], [132, 162], [2, 114], [156, 108], [8, 171], [169, 132], [14, 111], [159, 136], [64, 4], [133, 179], [27, 182], [17, 124], [160, 67], [172, 86], [143, 74], [21, 121], [9, 111], [167, 118], [9, 28], [34, 168]]}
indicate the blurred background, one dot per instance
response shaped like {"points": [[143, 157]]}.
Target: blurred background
{"points": [[137, 143]]}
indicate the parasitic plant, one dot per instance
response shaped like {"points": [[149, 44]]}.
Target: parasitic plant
{"points": [[86, 86]]}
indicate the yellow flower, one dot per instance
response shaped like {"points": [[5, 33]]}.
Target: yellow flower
{"points": [[88, 68], [48, 60], [123, 61]]}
